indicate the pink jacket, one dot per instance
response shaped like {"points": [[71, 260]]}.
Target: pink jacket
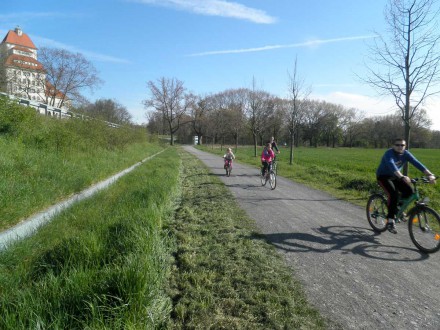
{"points": [[267, 155]]}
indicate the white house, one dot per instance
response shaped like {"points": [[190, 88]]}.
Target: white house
{"points": [[24, 75]]}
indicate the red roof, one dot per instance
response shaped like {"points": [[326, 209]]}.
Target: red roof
{"points": [[20, 61], [13, 38], [50, 90]]}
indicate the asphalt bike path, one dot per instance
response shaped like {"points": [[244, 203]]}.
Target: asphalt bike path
{"points": [[354, 277]]}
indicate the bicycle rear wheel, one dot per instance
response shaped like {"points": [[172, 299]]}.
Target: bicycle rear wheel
{"points": [[272, 180], [377, 212], [228, 170], [424, 229]]}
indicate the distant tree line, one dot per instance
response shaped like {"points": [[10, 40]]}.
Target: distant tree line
{"points": [[250, 116]]}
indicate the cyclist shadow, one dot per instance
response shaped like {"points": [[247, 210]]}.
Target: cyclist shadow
{"points": [[347, 239]]}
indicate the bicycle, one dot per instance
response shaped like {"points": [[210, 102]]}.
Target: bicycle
{"points": [[228, 166], [270, 176], [423, 221]]}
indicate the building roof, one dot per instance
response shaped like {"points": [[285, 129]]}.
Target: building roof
{"points": [[13, 37], [23, 62]]}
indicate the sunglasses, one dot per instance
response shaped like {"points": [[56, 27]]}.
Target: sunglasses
{"points": [[399, 145]]}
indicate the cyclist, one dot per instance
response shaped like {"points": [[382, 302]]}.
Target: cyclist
{"points": [[274, 145], [267, 156], [228, 157], [391, 179]]}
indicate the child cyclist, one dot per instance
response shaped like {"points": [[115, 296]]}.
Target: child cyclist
{"points": [[267, 156], [228, 157]]}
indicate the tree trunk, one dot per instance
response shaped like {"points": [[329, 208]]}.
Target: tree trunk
{"points": [[292, 140]]}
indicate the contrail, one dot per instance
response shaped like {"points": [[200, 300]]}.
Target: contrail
{"points": [[310, 43]]}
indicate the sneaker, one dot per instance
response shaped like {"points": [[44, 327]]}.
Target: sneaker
{"points": [[391, 226]]}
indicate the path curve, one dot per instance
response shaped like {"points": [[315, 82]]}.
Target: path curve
{"points": [[356, 278]]}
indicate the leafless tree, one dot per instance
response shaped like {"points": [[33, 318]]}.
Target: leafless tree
{"points": [[67, 74], [407, 64], [256, 110], [298, 92], [108, 110], [168, 97], [199, 117]]}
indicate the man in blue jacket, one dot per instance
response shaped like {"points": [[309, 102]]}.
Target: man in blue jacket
{"points": [[392, 180]]}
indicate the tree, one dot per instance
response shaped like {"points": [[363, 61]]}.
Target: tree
{"points": [[199, 116], [168, 97], [256, 109], [297, 92], [67, 74], [409, 61], [109, 110]]}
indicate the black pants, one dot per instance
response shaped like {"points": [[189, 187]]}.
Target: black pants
{"points": [[266, 167], [392, 188]]}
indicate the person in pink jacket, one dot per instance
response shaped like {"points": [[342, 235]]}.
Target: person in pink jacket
{"points": [[267, 157]]}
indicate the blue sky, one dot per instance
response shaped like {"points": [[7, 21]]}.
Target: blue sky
{"points": [[214, 45]]}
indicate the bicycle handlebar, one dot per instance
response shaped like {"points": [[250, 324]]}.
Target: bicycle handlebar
{"points": [[423, 179]]}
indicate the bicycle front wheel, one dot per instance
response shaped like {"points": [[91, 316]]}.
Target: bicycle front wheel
{"points": [[424, 229], [377, 212], [263, 179], [272, 180]]}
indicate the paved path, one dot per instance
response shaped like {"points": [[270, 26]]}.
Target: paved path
{"points": [[356, 278]]}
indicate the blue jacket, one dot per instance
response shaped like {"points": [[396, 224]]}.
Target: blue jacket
{"points": [[393, 161]]}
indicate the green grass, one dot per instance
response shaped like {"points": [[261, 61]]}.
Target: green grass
{"points": [[166, 247], [32, 178], [225, 275], [346, 173], [102, 264]]}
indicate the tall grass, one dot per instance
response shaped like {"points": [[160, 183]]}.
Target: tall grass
{"points": [[100, 265], [347, 173], [43, 159]]}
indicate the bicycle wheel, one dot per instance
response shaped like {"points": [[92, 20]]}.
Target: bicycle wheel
{"points": [[377, 212], [272, 180], [424, 228], [263, 179]]}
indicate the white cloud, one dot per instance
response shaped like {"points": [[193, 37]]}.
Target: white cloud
{"points": [[311, 43], [216, 8]]}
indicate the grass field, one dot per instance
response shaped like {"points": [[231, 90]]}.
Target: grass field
{"points": [[347, 173], [165, 247]]}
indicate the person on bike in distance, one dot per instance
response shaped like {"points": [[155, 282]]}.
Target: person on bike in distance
{"points": [[391, 179], [274, 145], [267, 157], [228, 157]]}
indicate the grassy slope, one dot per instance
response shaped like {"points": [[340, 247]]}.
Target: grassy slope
{"points": [[101, 264], [32, 178]]}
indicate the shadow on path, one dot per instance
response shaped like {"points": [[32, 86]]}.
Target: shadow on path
{"points": [[345, 239]]}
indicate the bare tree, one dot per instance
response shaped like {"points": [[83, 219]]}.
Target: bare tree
{"points": [[169, 99], [256, 109], [67, 74], [199, 117], [408, 63], [298, 92], [108, 110]]}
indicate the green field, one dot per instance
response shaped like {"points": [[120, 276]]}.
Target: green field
{"points": [[347, 173], [165, 247]]}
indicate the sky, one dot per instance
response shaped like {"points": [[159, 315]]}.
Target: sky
{"points": [[215, 45]]}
